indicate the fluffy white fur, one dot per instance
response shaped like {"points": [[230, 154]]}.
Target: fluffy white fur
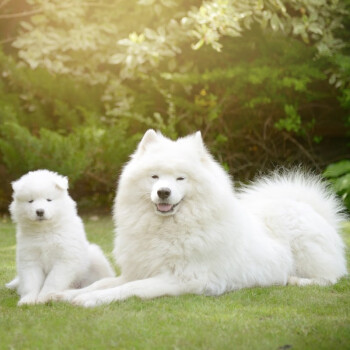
{"points": [[181, 228], [53, 253]]}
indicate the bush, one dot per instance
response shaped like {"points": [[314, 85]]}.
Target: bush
{"points": [[266, 84], [55, 123], [339, 175]]}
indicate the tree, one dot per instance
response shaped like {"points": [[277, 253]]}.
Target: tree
{"points": [[109, 43], [264, 80]]}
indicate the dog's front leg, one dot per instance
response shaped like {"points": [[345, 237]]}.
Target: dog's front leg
{"points": [[145, 289], [31, 278], [59, 278], [105, 283]]}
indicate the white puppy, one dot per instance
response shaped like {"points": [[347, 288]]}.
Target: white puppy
{"points": [[53, 253], [181, 228]]}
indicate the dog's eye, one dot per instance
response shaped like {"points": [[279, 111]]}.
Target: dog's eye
{"points": [[31, 201], [155, 177], [49, 200], [180, 178]]}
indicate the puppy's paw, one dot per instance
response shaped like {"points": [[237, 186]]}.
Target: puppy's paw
{"points": [[58, 296], [67, 295], [28, 300], [44, 298]]}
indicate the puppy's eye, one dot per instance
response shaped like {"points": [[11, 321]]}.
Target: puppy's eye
{"points": [[180, 178], [31, 201], [49, 200], [155, 177]]}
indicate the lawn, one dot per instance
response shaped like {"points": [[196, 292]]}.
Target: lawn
{"points": [[259, 318]]}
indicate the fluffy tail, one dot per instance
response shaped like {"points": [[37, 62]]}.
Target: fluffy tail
{"points": [[313, 235], [302, 187]]}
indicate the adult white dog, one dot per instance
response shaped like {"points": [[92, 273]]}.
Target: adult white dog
{"points": [[53, 253], [181, 228]]}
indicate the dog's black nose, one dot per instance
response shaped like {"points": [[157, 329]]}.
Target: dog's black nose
{"points": [[40, 212], [164, 193]]}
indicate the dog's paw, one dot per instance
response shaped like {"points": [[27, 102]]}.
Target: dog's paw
{"points": [[58, 296], [67, 295], [301, 282], [85, 300], [28, 300], [96, 298], [44, 298]]}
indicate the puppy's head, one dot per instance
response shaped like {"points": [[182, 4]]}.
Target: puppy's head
{"points": [[38, 196]]}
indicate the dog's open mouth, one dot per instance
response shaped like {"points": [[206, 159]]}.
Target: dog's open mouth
{"points": [[165, 208]]}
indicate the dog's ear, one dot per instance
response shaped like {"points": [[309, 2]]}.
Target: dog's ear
{"points": [[61, 183], [198, 138], [149, 137], [16, 185], [200, 146], [199, 142]]}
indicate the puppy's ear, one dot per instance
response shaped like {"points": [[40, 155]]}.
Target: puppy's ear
{"points": [[16, 185], [62, 183], [149, 137]]}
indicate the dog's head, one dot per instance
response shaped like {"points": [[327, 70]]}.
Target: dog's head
{"points": [[38, 196], [167, 174]]}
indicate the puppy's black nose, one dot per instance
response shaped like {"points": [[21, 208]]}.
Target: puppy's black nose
{"points": [[164, 193], [40, 212]]}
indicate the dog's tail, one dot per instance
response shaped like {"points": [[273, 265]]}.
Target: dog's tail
{"points": [[303, 187]]}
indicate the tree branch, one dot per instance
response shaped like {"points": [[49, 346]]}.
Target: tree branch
{"points": [[302, 149], [20, 14], [5, 41], [4, 3], [98, 178], [34, 12]]}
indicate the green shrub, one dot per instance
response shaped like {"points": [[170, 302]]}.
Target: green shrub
{"points": [[23, 151], [56, 123], [339, 175], [90, 156], [262, 81]]}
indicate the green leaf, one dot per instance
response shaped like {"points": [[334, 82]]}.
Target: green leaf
{"points": [[337, 169], [342, 184]]}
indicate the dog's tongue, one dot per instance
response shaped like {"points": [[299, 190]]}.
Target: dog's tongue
{"points": [[163, 207]]}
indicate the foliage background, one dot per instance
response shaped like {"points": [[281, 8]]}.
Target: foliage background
{"points": [[267, 83]]}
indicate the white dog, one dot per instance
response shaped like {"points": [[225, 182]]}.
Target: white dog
{"points": [[53, 253], [181, 228]]}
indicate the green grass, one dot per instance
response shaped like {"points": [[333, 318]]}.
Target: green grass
{"points": [[259, 318]]}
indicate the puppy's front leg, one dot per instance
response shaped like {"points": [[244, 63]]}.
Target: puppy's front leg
{"points": [[31, 278], [59, 278]]}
